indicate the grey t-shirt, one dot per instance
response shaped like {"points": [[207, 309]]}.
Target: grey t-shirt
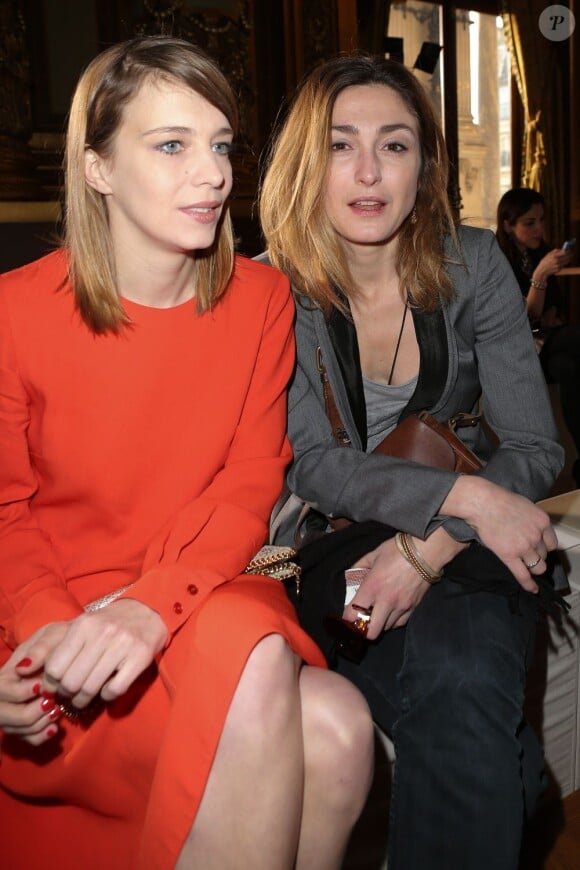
{"points": [[384, 405]]}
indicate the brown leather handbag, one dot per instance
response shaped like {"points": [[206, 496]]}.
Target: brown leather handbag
{"points": [[418, 438], [422, 438]]}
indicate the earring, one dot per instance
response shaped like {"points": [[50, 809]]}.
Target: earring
{"points": [[414, 215]]}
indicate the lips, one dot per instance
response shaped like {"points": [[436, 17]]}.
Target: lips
{"points": [[203, 206], [366, 205], [367, 201], [203, 212]]}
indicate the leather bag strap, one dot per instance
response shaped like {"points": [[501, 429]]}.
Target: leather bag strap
{"points": [[330, 406]]}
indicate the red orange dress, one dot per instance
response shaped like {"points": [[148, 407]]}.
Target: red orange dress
{"points": [[150, 458]]}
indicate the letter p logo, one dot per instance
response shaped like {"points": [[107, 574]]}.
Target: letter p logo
{"points": [[557, 23]]}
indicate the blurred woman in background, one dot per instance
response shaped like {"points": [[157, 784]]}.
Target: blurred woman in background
{"points": [[520, 233]]}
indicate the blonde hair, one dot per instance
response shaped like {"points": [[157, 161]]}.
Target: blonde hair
{"points": [[301, 240], [107, 85]]}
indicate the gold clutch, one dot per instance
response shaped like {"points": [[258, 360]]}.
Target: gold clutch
{"points": [[277, 562]]}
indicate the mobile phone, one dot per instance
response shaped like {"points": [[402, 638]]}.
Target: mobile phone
{"points": [[353, 577], [569, 245]]}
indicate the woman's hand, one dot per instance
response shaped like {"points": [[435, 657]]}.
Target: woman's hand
{"points": [[392, 586], [101, 653], [551, 263], [513, 527], [24, 711]]}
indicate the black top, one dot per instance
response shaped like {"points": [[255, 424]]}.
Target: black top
{"points": [[524, 269]]}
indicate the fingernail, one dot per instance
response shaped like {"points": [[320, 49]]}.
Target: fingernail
{"points": [[52, 732], [25, 663], [36, 689], [47, 704], [49, 695], [54, 713]]}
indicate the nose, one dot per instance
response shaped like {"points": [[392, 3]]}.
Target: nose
{"points": [[208, 168], [368, 170]]}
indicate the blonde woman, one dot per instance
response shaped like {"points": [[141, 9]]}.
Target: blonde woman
{"points": [[401, 310], [155, 704]]}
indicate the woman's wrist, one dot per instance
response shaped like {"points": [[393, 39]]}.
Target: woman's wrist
{"points": [[409, 550], [470, 496], [538, 284], [440, 548]]}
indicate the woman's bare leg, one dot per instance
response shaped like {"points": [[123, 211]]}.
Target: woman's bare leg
{"points": [[264, 783], [250, 812], [338, 755]]}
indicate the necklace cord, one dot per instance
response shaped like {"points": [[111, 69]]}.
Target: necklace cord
{"points": [[398, 345]]}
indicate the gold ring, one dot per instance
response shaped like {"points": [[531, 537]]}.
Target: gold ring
{"points": [[362, 619], [533, 564], [74, 714]]}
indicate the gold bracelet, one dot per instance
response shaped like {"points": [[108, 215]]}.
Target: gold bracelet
{"points": [[539, 285], [407, 549], [74, 714]]}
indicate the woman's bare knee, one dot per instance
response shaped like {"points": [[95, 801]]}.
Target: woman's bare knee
{"points": [[267, 693], [339, 737]]}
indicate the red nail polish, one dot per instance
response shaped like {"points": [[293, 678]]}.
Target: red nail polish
{"points": [[49, 695], [47, 704], [54, 713], [36, 689], [25, 663], [52, 732]]}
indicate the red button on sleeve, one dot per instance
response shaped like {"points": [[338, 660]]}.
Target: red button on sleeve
{"points": [[177, 607], [192, 589]]}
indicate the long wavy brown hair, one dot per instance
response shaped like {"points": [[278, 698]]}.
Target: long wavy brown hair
{"points": [[107, 85], [300, 238]]}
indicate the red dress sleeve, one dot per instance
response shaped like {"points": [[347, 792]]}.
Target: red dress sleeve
{"points": [[32, 588]]}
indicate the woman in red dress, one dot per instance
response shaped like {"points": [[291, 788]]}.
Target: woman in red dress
{"points": [[143, 374]]}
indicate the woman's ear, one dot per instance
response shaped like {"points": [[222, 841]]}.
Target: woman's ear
{"points": [[95, 172]]}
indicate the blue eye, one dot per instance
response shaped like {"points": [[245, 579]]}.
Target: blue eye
{"points": [[172, 147], [223, 148]]}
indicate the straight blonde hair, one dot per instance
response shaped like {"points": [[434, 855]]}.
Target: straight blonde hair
{"points": [[107, 85], [300, 238]]}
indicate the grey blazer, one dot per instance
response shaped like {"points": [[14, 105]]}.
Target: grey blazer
{"points": [[477, 348]]}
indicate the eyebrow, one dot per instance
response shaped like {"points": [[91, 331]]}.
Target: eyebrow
{"points": [[385, 128], [184, 131]]}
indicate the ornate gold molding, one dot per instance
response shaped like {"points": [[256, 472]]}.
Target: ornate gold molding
{"points": [[29, 212]]}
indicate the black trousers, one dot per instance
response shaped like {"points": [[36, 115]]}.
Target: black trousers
{"points": [[449, 689]]}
